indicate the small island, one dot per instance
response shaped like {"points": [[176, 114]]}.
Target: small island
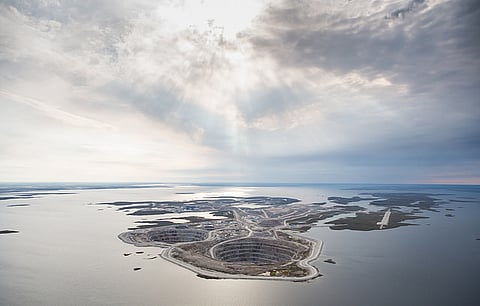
{"points": [[8, 232]]}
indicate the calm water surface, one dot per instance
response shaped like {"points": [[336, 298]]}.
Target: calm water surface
{"points": [[68, 253]]}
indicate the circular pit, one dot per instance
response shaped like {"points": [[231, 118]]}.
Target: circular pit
{"points": [[177, 235], [257, 251]]}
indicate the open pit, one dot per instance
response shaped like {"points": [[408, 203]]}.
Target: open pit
{"points": [[248, 242], [176, 235], [257, 251], [163, 236]]}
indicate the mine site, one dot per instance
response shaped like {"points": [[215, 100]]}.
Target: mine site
{"points": [[258, 237]]}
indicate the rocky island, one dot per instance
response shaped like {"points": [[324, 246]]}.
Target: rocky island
{"points": [[257, 237], [246, 238]]}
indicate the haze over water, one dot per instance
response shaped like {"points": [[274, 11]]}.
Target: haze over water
{"points": [[67, 253]]}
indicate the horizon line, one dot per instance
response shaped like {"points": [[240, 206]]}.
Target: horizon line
{"points": [[244, 183]]}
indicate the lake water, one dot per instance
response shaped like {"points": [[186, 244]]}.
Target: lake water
{"points": [[67, 253]]}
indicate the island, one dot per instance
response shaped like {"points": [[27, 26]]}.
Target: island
{"points": [[259, 237], [8, 232], [229, 237]]}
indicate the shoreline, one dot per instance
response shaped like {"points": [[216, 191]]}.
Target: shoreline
{"points": [[210, 274]]}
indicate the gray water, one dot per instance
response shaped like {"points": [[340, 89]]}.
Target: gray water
{"points": [[67, 253]]}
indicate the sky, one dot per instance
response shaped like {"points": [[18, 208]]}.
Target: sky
{"points": [[324, 91]]}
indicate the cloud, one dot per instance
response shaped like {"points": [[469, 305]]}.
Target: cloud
{"points": [[425, 46], [316, 88], [56, 113], [425, 60]]}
